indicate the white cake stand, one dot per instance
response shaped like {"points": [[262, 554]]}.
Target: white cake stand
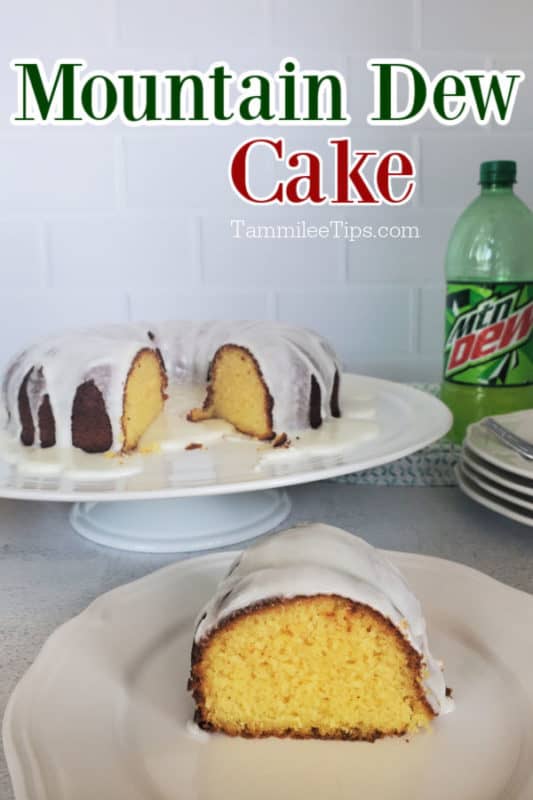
{"points": [[220, 496]]}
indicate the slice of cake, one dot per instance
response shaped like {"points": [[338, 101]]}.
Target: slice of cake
{"points": [[314, 634]]}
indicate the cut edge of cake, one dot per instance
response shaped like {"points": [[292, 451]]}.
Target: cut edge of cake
{"points": [[313, 633], [75, 390], [246, 402], [413, 711], [144, 396]]}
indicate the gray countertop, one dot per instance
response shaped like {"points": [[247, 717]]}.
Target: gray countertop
{"points": [[48, 574]]}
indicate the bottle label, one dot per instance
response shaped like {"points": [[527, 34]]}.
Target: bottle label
{"points": [[488, 338]]}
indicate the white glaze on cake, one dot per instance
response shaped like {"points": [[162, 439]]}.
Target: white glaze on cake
{"points": [[287, 358], [60, 364], [228, 452], [320, 559]]}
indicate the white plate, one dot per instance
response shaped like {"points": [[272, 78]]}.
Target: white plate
{"points": [[407, 420], [489, 500], [103, 711], [488, 447], [500, 476], [494, 489]]}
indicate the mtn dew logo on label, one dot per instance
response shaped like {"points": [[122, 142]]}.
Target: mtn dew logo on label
{"points": [[488, 340]]}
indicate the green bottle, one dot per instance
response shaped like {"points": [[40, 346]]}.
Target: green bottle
{"points": [[488, 349]]}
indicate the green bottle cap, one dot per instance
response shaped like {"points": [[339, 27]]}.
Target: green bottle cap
{"points": [[499, 173]]}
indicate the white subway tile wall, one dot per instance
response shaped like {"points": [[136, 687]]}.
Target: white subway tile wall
{"points": [[22, 254], [344, 24], [32, 312], [45, 170], [125, 250], [28, 29], [113, 223], [477, 25], [359, 321], [207, 304]]}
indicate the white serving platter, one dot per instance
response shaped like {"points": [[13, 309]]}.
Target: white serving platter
{"points": [[500, 476], [506, 508], [104, 711], [485, 445], [406, 420], [494, 487], [231, 489]]}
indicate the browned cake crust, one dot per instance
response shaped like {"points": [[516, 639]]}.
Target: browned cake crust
{"points": [[315, 404], [45, 417], [334, 400], [27, 436], [47, 423], [90, 423], [91, 426], [195, 683]]}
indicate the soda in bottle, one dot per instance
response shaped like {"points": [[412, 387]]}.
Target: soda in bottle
{"points": [[488, 349]]}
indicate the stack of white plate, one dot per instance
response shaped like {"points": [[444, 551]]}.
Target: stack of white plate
{"points": [[493, 474]]}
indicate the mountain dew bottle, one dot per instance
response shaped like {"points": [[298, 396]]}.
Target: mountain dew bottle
{"points": [[488, 348]]}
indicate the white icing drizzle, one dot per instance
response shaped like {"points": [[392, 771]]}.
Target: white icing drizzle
{"points": [[320, 559], [287, 357], [229, 453], [59, 365]]}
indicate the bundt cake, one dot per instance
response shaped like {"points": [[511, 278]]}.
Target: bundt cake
{"points": [[100, 390], [314, 634]]}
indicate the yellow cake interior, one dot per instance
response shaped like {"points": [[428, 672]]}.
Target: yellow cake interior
{"points": [[237, 393], [144, 396], [321, 666]]}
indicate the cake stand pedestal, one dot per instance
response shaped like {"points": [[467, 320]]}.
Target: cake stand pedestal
{"points": [[216, 497], [182, 524]]}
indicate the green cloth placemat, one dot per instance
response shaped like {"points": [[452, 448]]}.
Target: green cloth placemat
{"points": [[432, 466]]}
